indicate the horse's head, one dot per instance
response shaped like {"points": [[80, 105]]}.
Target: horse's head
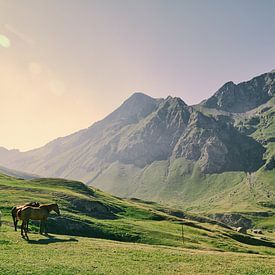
{"points": [[55, 208]]}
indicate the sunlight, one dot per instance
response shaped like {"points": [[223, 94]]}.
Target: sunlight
{"points": [[4, 41]]}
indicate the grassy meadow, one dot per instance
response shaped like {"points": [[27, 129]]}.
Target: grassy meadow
{"points": [[101, 234], [59, 254]]}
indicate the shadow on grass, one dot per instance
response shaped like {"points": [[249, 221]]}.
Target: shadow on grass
{"points": [[250, 240], [51, 239]]}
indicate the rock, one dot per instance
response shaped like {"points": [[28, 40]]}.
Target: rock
{"points": [[241, 230], [233, 219], [257, 231], [270, 164]]}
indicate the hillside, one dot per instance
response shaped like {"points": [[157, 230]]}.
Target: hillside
{"points": [[92, 213], [79, 255], [149, 231], [17, 174], [215, 156]]}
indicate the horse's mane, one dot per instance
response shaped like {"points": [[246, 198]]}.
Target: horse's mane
{"points": [[33, 204]]}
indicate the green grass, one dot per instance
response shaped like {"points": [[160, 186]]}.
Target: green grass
{"points": [[59, 254], [179, 183], [151, 235], [93, 213]]}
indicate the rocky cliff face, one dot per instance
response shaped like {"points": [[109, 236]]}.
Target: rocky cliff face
{"points": [[217, 146], [244, 96], [144, 130]]}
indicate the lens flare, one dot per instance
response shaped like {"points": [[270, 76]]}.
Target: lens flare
{"points": [[4, 41]]}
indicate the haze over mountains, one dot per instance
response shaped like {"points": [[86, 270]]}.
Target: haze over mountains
{"points": [[165, 150]]}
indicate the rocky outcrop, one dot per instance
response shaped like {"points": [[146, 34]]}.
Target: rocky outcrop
{"points": [[240, 98], [233, 219], [270, 164], [217, 146]]}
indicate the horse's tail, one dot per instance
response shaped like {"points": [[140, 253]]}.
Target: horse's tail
{"points": [[13, 212]]}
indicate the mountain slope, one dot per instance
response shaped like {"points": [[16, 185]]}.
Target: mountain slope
{"points": [[17, 174], [164, 150], [92, 213]]}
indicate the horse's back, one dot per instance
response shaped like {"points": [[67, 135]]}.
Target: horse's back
{"points": [[33, 213]]}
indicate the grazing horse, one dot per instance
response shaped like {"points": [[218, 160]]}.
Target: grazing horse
{"points": [[15, 210], [40, 213]]}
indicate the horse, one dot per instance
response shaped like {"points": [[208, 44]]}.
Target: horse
{"points": [[40, 213], [15, 210]]}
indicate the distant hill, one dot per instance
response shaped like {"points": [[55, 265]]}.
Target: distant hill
{"points": [[17, 174], [219, 154]]}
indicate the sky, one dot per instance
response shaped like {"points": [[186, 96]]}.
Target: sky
{"points": [[65, 64]]}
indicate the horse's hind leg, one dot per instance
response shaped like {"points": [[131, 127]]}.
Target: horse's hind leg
{"points": [[25, 229], [14, 221], [22, 229], [15, 224], [13, 216]]}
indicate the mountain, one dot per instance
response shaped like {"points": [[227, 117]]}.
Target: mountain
{"points": [[244, 96], [215, 155], [17, 174]]}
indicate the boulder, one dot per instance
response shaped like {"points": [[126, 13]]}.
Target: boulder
{"points": [[241, 230], [257, 231]]}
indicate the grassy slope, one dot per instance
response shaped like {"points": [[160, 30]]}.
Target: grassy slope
{"points": [[126, 220], [178, 183], [66, 255], [92, 213]]}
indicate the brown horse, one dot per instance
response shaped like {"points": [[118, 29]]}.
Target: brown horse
{"points": [[15, 209], [40, 213]]}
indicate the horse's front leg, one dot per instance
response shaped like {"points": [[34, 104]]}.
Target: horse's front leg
{"points": [[41, 225], [45, 227]]}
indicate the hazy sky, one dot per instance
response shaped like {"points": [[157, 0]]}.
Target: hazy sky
{"points": [[65, 64]]}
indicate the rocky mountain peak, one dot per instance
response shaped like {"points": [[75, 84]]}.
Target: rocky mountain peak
{"points": [[245, 96], [133, 109]]}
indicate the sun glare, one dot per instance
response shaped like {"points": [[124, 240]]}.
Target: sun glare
{"points": [[4, 41]]}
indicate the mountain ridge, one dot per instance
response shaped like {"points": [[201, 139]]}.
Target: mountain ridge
{"points": [[213, 137]]}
